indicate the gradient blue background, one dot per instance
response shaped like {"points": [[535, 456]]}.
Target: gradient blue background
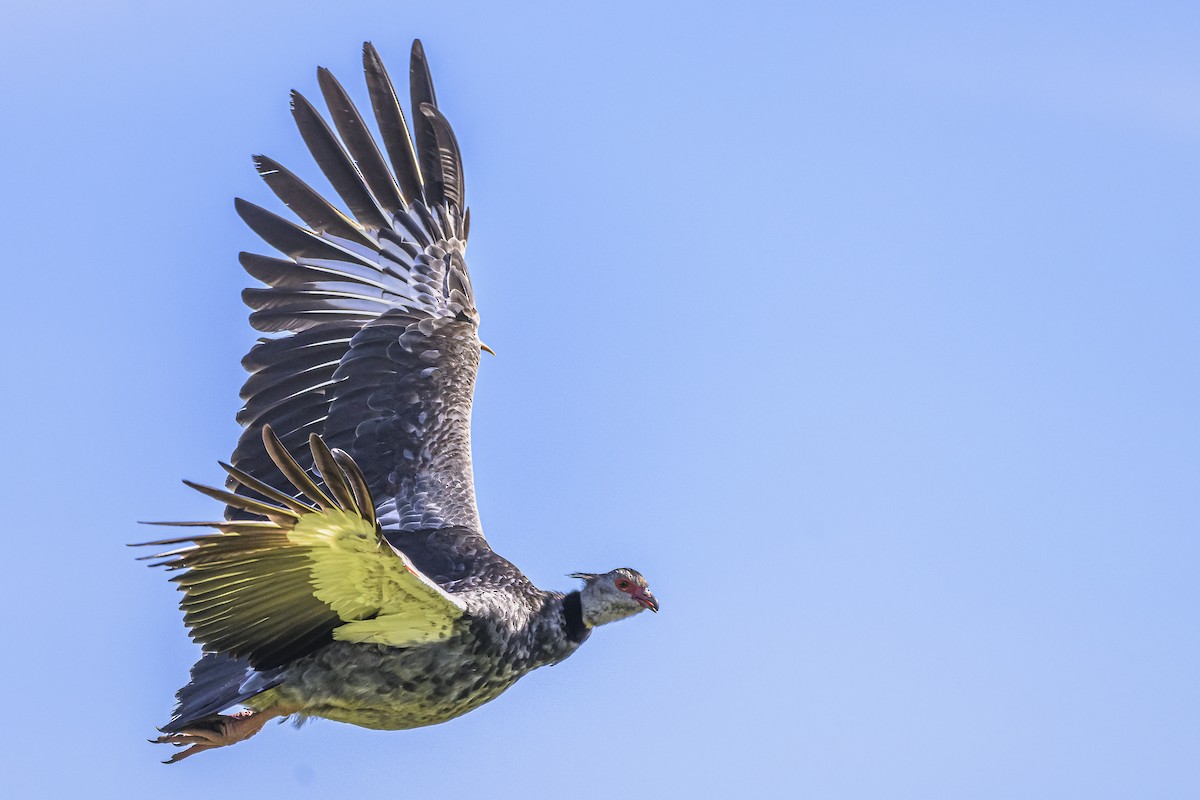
{"points": [[868, 333]]}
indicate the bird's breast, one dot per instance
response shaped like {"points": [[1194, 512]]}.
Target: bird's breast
{"points": [[392, 688]]}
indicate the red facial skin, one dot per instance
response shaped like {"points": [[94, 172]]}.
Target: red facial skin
{"points": [[638, 592]]}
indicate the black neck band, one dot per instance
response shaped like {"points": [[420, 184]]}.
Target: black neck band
{"points": [[573, 616]]}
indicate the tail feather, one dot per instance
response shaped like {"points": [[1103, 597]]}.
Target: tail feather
{"points": [[218, 681]]}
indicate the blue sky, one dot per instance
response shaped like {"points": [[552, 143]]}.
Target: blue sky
{"points": [[868, 333]]}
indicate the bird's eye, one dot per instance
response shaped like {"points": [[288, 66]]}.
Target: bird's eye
{"points": [[622, 584]]}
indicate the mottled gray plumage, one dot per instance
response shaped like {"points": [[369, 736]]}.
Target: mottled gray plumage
{"points": [[351, 579], [512, 628]]}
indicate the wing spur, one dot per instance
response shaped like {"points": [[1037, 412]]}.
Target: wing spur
{"points": [[312, 566], [378, 349]]}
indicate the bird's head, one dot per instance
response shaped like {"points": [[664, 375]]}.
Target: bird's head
{"points": [[615, 595]]}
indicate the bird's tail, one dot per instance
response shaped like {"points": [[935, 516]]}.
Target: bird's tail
{"points": [[218, 682]]}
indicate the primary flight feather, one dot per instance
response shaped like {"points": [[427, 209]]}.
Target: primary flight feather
{"points": [[350, 578]]}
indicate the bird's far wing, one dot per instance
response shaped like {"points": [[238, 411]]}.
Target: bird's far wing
{"points": [[378, 348], [312, 567]]}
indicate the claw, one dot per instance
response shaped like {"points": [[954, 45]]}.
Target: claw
{"points": [[180, 739], [191, 751]]}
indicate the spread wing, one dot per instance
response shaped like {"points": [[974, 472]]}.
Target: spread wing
{"points": [[377, 348], [310, 567]]}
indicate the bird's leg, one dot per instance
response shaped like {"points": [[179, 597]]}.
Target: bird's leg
{"points": [[225, 730]]}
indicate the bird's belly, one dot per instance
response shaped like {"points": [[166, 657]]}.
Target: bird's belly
{"points": [[387, 688]]}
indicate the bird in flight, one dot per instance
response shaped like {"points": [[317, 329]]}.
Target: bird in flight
{"points": [[350, 578]]}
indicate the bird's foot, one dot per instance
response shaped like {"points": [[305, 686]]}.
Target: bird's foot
{"points": [[225, 730]]}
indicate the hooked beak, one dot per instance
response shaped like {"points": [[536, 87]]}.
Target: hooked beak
{"points": [[647, 600], [486, 349]]}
